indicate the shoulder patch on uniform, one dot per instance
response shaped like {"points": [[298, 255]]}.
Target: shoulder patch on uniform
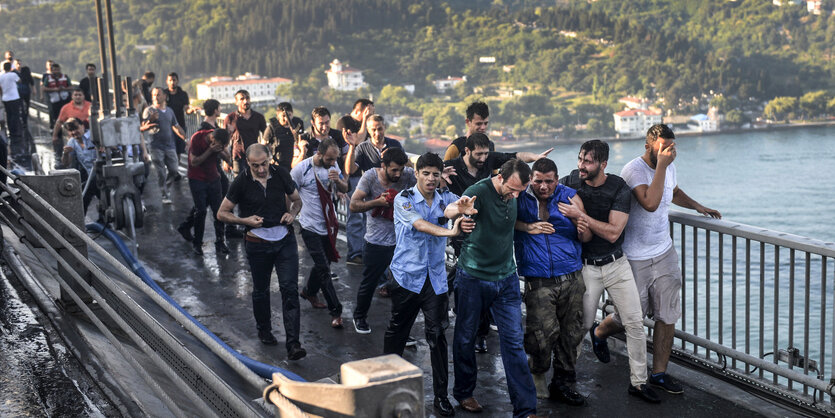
{"points": [[407, 205]]}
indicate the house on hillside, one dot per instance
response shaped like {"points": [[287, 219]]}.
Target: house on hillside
{"points": [[703, 123], [222, 89], [634, 102], [444, 85], [635, 122], [343, 77]]}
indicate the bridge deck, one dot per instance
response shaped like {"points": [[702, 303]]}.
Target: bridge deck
{"points": [[216, 290]]}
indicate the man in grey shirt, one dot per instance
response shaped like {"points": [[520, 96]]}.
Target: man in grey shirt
{"points": [[376, 192], [160, 121]]}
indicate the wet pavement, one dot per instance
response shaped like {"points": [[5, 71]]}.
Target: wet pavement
{"points": [[215, 289]]}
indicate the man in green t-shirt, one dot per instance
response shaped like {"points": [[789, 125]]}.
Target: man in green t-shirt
{"points": [[486, 278]]}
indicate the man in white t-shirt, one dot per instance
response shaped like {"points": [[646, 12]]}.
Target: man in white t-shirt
{"points": [[649, 247], [316, 177]]}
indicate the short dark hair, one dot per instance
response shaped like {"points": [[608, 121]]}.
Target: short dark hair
{"points": [[162, 90], [545, 165], [221, 135], [319, 111], [430, 159], [90, 64], [243, 92], [7, 66], [659, 130], [362, 103], [175, 75], [477, 140], [210, 106], [149, 75], [478, 108], [285, 107], [326, 144], [599, 150], [515, 166], [73, 89], [395, 155], [72, 124]]}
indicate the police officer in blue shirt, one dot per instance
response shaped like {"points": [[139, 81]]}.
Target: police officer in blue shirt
{"points": [[418, 267]]}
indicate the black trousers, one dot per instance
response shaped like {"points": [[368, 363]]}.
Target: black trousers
{"points": [[405, 306], [375, 259], [320, 275]]}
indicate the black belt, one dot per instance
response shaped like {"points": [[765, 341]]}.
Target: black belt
{"points": [[602, 261], [536, 282]]}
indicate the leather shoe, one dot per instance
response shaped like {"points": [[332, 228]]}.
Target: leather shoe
{"points": [[197, 248], [336, 322], [185, 230], [221, 248], [471, 405], [480, 344], [566, 395], [267, 338], [296, 352], [443, 407], [314, 300]]}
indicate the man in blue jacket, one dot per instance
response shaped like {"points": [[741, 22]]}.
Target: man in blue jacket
{"points": [[548, 252]]}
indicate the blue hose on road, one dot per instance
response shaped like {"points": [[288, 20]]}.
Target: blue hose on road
{"points": [[261, 369]]}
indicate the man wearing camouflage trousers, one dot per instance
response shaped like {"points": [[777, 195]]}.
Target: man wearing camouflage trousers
{"points": [[548, 254]]}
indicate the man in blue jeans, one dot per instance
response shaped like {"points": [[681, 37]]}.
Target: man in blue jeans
{"points": [[261, 194], [486, 278]]}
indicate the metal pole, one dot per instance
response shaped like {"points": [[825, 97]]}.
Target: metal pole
{"points": [[105, 109], [117, 92]]}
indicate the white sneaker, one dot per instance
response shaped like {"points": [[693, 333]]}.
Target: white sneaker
{"points": [[166, 200]]}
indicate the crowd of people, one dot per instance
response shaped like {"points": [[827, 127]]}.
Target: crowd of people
{"points": [[508, 217]]}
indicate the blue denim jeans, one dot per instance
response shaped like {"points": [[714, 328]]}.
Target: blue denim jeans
{"points": [[284, 256], [505, 303], [355, 226]]}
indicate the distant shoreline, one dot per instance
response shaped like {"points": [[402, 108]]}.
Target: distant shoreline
{"points": [[517, 145]]}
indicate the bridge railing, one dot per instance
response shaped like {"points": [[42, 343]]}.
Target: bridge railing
{"points": [[758, 308]]}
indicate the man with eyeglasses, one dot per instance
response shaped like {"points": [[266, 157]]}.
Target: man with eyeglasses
{"points": [[261, 193]]}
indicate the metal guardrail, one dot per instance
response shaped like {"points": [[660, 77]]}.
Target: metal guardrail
{"points": [[754, 308], [29, 217]]}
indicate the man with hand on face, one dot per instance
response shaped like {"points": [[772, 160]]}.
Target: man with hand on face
{"points": [[316, 178], [548, 253], [419, 266], [261, 194], [607, 201], [206, 149], [77, 108], [486, 279], [649, 247], [282, 134], [376, 192]]}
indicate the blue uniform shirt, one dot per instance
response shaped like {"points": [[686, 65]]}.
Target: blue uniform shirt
{"points": [[418, 254]]}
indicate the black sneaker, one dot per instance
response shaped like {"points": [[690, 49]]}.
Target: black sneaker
{"points": [[221, 248], [185, 230], [599, 345], [411, 342], [666, 382], [267, 338], [197, 248], [644, 392], [334, 276], [361, 326], [296, 352], [565, 394]]}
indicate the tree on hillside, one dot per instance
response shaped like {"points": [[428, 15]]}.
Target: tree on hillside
{"points": [[781, 108], [813, 103]]}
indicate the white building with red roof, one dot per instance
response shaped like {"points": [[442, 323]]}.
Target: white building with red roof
{"points": [[634, 102], [344, 77], [444, 85], [222, 89], [636, 121]]}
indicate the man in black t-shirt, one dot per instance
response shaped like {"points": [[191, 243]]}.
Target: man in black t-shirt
{"points": [[282, 134], [477, 119], [178, 101], [355, 123], [320, 130], [261, 194], [245, 127], [607, 200]]}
